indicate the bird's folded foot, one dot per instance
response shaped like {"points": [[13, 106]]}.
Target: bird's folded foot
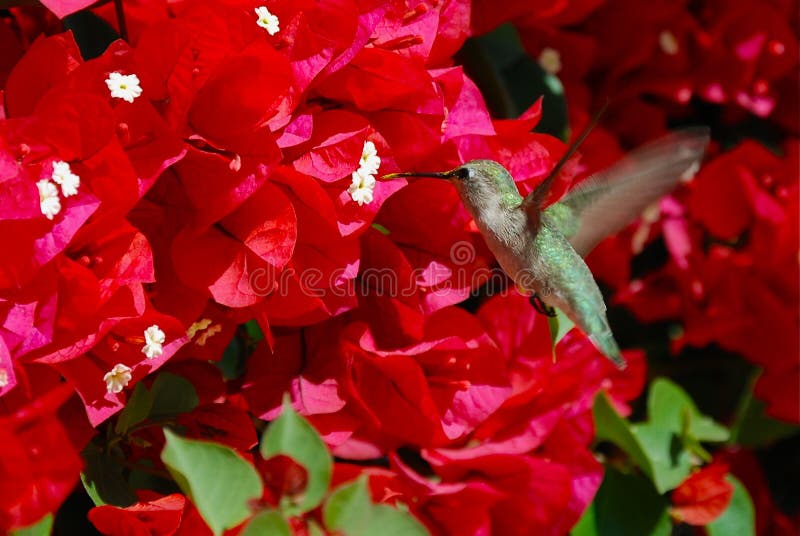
{"points": [[541, 307]]}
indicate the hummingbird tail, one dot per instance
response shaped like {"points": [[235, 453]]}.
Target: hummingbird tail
{"points": [[608, 346]]}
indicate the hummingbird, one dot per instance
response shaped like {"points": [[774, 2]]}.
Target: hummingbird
{"points": [[542, 248]]}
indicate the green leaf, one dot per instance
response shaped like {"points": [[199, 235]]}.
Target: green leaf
{"points": [[587, 524], [753, 427], [611, 427], [350, 511], [293, 436], [103, 479], [314, 529], [43, 527], [233, 358], [670, 461], [254, 332], [739, 518], [625, 505], [267, 522], [669, 406], [218, 480], [666, 446], [172, 395], [559, 326], [136, 409]]}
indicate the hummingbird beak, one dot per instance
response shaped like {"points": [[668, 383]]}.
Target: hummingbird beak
{"points": [[432, 174]]}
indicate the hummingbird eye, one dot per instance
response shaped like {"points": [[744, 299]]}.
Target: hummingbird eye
{"points": [[462, 173]]}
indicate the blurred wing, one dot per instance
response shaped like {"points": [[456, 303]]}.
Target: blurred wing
{"points": [[607, 201]]}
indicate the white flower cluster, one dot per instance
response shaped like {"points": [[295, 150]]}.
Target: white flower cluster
{"points": [[363, 186], [49, 201], [120, 376]]}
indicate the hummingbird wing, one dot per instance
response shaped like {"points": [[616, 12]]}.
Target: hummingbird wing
{"points": [[607, 201]]}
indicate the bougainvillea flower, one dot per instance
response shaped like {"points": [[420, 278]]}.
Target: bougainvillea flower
{"points": [[435, 502], [40, 463], [428, 223], [703, 496], [454, 374], [116, 362], [28, 82], [748, 50], [221, 423], [158, 515], [534, 493], [311, 378], [734, 231], [255, 241], [318, 281]]}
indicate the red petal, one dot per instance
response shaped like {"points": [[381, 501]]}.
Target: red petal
{"points": [[703, 496]]}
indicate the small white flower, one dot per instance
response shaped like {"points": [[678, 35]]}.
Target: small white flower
{"points": [[49, 203], [154, 340], [63, 176], [117, 378], [267, 20], [362, 188], [668, 43], [550, 60], [370, 161], [124, 86], [3, 377]]}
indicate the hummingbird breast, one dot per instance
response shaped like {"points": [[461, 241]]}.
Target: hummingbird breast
{"points": [[509, 237]]}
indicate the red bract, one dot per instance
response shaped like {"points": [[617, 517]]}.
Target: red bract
{"points": [[39, 464], [28, 81], [95, 284], [749, 49], [703, 496], [740, 187], [236, 183], [123, 345], [533, 493], [162, 515], [435, 503], [240, 97], [454, 375], [62, 8], [299, 364], [221, 423], [317, 282], [379, 79], [332, 154], [544, 421], [255, 240], [432, 231], [735, 232]]}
